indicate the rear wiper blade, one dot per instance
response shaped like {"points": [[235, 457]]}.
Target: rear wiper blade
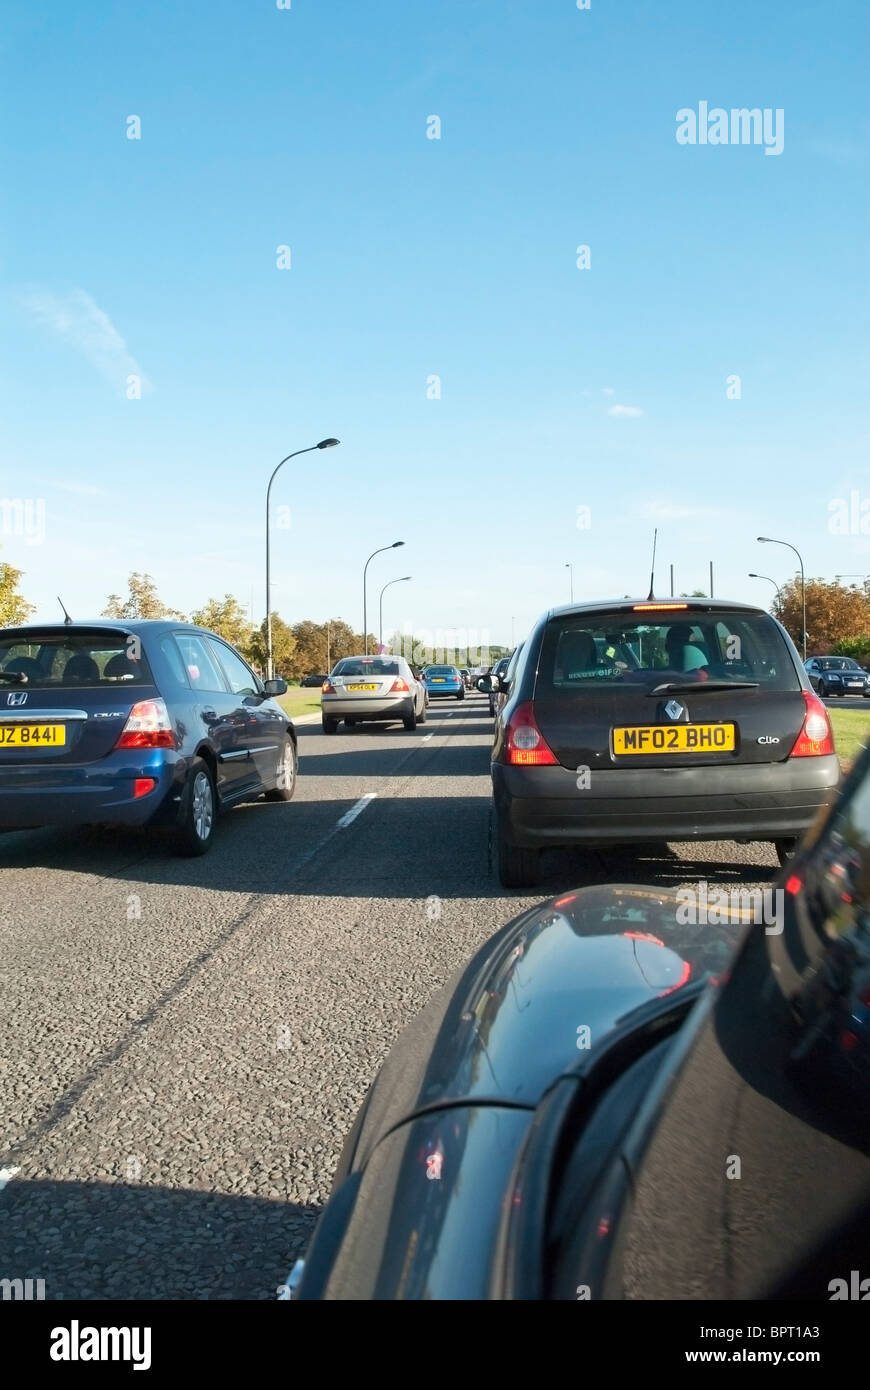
{"points": [[16, 677], [687, 687]]}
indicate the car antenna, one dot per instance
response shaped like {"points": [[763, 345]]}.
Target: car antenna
{"points": [[67, 620], [652, 574]]}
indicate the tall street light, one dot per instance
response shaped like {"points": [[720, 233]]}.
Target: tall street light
{"points": [[769, 540], [404, 579], [324, 444], [571, 568], [395, 545], [769, 580]]}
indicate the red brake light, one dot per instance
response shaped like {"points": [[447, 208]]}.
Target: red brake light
{"points": [[327, 688], [816, 736], [147, 727], [143, 785], [525, 745], [398, 684], [657, 607]]}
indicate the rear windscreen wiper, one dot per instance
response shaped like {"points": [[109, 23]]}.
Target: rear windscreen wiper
{"points": [[689, 687], [17, 677]]}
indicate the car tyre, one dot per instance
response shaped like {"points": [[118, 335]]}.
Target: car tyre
{"points": [[329, 726], [350, 723], [785, 851], [461, 695], [516, 866], [285, 773], [421, 717], [197, 814], [410, 720], [823, 691]]}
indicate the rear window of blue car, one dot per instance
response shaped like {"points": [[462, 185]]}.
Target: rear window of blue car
{"points": [[442, 671], [72, 661]]}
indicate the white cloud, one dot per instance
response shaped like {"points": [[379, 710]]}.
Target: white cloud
{"points": [[625, 411], [77, 320]]}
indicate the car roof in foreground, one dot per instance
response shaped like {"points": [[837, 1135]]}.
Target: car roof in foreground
{"points": [[652, 605]]}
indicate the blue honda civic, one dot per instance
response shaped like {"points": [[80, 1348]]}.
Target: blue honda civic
{"points": [[147, 723]]}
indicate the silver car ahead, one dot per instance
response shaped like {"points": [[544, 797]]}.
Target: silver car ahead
{"points": [[372, 688]]}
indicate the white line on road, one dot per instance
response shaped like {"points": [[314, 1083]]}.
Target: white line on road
{"points": [[356, 810], [427, 738], [6, 1175]]}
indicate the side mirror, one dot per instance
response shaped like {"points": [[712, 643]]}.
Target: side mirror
{"points": [[485, 685], [277, 686]]}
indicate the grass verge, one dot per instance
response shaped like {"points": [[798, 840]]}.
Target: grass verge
{"points": [[299, 701], [851, 731]]}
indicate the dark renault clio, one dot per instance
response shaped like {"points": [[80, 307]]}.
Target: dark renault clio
{"points": [[154, 723], [650, 721]]}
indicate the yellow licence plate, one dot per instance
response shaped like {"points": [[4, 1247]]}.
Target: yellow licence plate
{"points": [[32, 735], [362, 687], [675, 738]]}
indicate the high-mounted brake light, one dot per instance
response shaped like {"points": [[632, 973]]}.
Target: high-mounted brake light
{"points": [[147, 727], [816, 737], [657, 607], [525, 745], [398, 684]]}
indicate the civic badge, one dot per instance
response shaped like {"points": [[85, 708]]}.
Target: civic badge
{"points": [[18, 697], [673, 709]]}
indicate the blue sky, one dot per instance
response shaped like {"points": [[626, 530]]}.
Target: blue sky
{"points": [[412, 258]]}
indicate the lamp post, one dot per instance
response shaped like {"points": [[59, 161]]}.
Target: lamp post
{"points": [[324, 444], [404, 579], [570, 567], [769, 540], [395, 545], [769, 580]]}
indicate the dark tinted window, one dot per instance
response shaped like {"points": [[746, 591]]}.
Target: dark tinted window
{"points": [[366, 666], [588, 651], [74, 660], [441, 671]]}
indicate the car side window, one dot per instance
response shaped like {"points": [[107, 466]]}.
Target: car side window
{"points": [[169, 650], [241, 678], [202, 670]]}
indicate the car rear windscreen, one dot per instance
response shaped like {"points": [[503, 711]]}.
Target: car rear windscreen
{"points": [[58, 662], [441, 671], [374, 666], [583, 652]]}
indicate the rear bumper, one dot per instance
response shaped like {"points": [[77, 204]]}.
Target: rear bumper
{"points": [[54, 794], [544, 806], [453, 690], [379, 707]]}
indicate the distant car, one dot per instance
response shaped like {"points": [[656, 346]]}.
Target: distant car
{"points": [[372, 689], [698, 722], [466, 677], [837, 675], [148, 723], [310, 681], [443, 681]]}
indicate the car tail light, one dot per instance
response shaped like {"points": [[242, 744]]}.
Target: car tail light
{"points": [[525, 745], [816, 736], [143, 785], [147, 727], [327, 688], [398, 684]]}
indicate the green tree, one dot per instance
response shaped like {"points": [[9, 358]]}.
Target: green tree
{"points": [[142, 601], [229, 620], [858, 647], [283, 648], [14, 608]]}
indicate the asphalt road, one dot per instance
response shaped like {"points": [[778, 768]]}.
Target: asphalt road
{"points": [[185, 1042]]}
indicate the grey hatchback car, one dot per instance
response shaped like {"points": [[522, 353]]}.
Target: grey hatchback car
{"points": [[635, 721], [372, 689]]}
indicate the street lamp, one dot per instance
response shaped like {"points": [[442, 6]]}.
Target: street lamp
{"points": [[769, 540], [571, 568], [324, 444], [769, 580], [404, 579], [395, 545]]}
